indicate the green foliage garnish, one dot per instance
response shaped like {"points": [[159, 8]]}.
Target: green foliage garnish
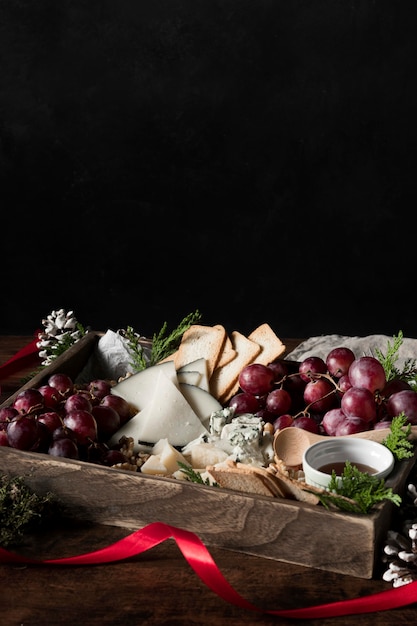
{"points": [[397, 440], [163, 344], [357, 491], [20, 509], [193, 476], [389, 360]]}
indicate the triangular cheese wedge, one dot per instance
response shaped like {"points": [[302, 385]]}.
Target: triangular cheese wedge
{"points": [[167, 416], [138, 389], [199, 365]]}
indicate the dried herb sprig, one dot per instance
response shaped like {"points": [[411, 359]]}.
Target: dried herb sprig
{"points": [[20, 509], [360, 491], [163, 343]]}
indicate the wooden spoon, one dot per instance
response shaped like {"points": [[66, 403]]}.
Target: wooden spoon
{"points": [[290, 442]]}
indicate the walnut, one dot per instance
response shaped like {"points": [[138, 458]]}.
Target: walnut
{"points": [[126, 466]]}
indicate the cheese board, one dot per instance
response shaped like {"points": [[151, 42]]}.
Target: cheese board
{"points": [[273, 528]]}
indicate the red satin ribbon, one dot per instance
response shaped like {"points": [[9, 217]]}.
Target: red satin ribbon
{"points": [[26, 356], [199, 558]]}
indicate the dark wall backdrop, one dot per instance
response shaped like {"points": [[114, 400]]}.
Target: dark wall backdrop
{"points": [[253, 159]]}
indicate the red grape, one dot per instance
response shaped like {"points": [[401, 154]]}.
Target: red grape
{"points": [[23, 432], [283, 421], [403, 402], [62, 382], [63, 432], [4, 441], [278, 402], [311, 367], [383, 423], [108, 420], [51, 419], [320, 394], [359, 402], [344, 384], [331, 420], [351, 426], [28, 400], [7, 413], [367, 372], [306, 423], [77, 401], [339, 360], [82, 424], [113, 457], [280, 369], [265, 415], [244, 402], [119, 404], [393, 386], [64, 447], [99, 388], [51, 396], [256, 379]]}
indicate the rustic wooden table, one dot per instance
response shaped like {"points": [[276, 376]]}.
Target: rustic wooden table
{"points": [[158, 586]]}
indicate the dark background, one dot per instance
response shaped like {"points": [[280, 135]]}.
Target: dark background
{"points": [[255, 160]]}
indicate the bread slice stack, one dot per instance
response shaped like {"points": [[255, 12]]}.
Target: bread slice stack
{"points": [[261, 481], [226, 355]]}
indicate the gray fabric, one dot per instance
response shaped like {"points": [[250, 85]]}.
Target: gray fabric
{"points": [[362, 346]]}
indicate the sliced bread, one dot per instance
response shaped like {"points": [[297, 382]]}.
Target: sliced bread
{"points": [[242, 479], [228, 353], [224, 382], [201, 341], [271, 345]]}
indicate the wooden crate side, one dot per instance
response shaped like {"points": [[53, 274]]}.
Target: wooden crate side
{"points": [[281, 530], [70, 362]]}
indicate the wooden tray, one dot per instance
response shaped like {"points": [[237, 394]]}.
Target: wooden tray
{"points": [[284, 530]]}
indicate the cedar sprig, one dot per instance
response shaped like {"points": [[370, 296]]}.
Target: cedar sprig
{"points": [[163, 343], [397, 439]]}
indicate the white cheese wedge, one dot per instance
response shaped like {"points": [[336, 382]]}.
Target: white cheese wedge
{"points": [[169, 456], [138, 389], [202, 402], [154, 466], [167, 415], [190, 378], [199, 365], [202, 454]]}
